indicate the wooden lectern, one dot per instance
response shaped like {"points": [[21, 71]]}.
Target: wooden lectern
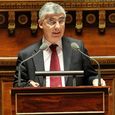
{"points": [[80, 100]]}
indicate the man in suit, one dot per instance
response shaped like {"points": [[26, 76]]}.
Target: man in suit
{"points": [[52, 18]]}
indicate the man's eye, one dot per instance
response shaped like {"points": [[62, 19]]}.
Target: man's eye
{"points": [[61, 21], [51, 22]]}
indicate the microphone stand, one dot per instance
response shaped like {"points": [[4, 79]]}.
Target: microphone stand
{"points": [[99, 73], [42, 47], [76, 47]]}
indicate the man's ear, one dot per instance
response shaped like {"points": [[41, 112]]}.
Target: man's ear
{"points": [[40, 23]]}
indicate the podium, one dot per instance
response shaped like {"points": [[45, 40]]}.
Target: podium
{"points": [[79, 100]]}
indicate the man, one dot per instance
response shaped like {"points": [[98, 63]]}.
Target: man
{"points": [[52, 21]]}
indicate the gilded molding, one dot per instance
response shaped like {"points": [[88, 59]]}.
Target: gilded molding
{"points": [[105, 60], [2, 19], [102, 20], [69, 18], [79, 6], [112, 18], [8, 61], [68, 4], [11, 22], [79, 23], [11, 61], [89, 5], [23, 19], [34, 23], [7, 73], [91, 18], [19, 5]]}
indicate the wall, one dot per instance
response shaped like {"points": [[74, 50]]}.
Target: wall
{"points": [[93, 22]]}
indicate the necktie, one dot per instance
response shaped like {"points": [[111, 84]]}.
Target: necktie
{"points": [[55, 81]]}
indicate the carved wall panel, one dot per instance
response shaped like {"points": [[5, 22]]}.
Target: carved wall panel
{"points": [[79, 6]]}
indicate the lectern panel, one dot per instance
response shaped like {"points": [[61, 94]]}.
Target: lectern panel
{"points": [[59, 101]]}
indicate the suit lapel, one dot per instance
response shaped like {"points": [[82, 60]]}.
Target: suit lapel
{"points": [[39, 63], [67, 52]]}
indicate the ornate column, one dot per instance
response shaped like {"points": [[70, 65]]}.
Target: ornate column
{"points": [[79, 23], [102, 21], [11, 22], [34, 22]]}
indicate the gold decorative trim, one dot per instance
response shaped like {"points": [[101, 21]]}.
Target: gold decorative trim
{"points": [[8, 61], [2, 19], [34, 22], [69, 18], [54, 113], [79, 24], [91, 18], [22, 19], [11, 20], [112, 18], [5, 61], [102, 21], [69, 5]]}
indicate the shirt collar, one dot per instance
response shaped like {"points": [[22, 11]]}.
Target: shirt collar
{"points": [[59, 43]]}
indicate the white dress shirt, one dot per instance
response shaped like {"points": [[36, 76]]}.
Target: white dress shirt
{"points": [[47, 57]]}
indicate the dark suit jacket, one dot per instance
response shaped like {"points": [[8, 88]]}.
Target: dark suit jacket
{"points": [[73, 60]]}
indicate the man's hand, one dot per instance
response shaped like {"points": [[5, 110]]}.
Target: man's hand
{"points": [[33, 83], [95, 82]]}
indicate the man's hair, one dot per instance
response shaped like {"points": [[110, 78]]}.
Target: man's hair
{"points": [[50, 8]]}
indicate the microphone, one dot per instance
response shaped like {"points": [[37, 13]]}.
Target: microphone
{"points": [[42, 47], [76, 47]]}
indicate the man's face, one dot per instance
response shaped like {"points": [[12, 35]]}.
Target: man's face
{"points": [[53, 27]]}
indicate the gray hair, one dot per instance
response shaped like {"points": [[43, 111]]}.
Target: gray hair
{"points": [[50, 8]]}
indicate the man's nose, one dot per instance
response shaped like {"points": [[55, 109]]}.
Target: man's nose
{"points": [[57, 25]]}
